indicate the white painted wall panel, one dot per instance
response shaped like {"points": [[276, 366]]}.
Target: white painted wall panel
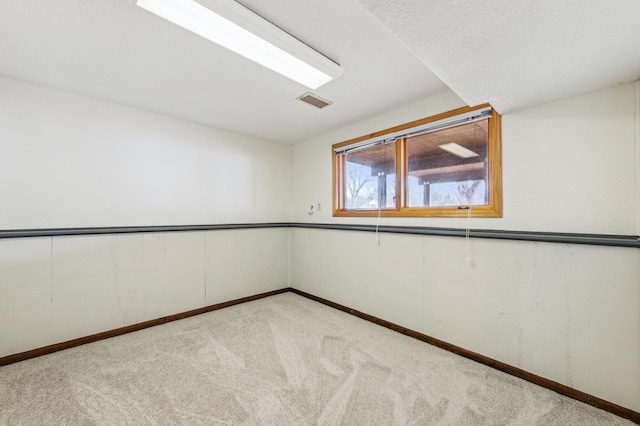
{"points": [[310, 267], [545, 308], [75, 161], [109, 281], [6, 292], [174, 272], [85, 286], [471, 293], [562, 279], [25, 294], [350, 268], [246, 262], [568, 313], [615, 323], [62, 288]]}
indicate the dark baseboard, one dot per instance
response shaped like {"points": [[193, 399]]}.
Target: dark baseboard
{"points": [[10, 359], [514, 371], [618, 410]]}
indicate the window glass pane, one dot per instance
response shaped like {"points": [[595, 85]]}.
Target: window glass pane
{"points": [[466, 193], [370, 178], [448, 167]]}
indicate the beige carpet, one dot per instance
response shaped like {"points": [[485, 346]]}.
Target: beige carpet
{"points": [[284, 360]]}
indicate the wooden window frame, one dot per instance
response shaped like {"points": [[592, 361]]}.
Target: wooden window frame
{"points": [[494, 177]]}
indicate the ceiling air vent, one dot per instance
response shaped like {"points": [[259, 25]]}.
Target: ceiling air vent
{"points": [[314, 100]]}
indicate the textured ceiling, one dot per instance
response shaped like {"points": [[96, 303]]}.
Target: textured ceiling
{"points": [[511, 53], [518, 53], [114, 50]]}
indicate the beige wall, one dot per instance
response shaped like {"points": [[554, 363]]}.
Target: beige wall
{"points": [[56, 289], [566, 312]]}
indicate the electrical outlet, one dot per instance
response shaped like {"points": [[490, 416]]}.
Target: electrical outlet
{"points": [[319, 208]]}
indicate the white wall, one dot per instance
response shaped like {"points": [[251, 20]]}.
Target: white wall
{"points": [[75, 161], [569, 313], [568, 166]]}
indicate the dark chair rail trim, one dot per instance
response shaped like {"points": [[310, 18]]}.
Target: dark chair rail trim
{"points": [[545, 237]]}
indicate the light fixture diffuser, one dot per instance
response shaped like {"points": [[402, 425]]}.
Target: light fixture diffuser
{"points": [[458, 150], [231, 25]]}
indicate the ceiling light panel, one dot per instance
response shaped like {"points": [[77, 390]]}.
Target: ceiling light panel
{"points": [[458, 150], [231, 25]]}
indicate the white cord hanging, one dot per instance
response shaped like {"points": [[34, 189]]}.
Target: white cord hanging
{"points": [[467, 239], [470, 195], [378, 224]]}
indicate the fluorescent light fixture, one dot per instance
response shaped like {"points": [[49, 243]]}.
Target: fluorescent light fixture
{"points": [[458, 150], [238, 29]]}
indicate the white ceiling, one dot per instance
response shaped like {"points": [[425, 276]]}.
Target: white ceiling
{"points": [[519, 53], [512, 53], [114, 50]]}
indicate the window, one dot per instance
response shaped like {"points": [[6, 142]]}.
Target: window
{"points": [[448, 165]]}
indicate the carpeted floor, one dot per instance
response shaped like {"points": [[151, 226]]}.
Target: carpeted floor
{"points": [[283, 360]]}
